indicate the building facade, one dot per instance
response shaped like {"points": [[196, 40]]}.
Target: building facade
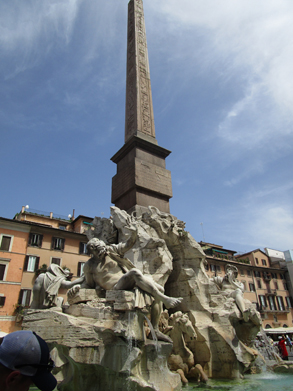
{"points": [[29, 244], [266, 282], [13, 243]]}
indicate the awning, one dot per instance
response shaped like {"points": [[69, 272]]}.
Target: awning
{"points": [[219, 251], [85, 222], [279, 330]]}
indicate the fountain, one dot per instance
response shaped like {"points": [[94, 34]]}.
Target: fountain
{"points": [[100, 336], [100, 339]]}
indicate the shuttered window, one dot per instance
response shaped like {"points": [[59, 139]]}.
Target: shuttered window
{"points": [[56, 261], [5, 242], [31, 263], [35, 240], [82, 248], [58, 244], [80, 268], [2, 272], [24, 297]]}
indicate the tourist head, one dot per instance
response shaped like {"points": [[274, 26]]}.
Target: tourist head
{"points": [[25, 360]]}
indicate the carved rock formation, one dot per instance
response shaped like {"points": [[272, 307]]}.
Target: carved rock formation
{"points": [[93, 341]]}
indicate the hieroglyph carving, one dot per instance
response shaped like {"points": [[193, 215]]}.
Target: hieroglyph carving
{"points": [[139, 108]]}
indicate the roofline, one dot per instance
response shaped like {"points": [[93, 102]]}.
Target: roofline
{"points": [[44, 226], [250, 252], [219, 247]]}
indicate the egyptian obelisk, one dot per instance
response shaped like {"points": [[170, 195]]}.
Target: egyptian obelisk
{"points": [[142, 179]]}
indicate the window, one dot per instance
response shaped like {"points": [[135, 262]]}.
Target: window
{"points": [[256, 260], [257, 274], [282, 277], [285, 286], [5, 242], [24, 297], [280, 303], [244, 284], [3, 269], [58, 244], [274, 275], [264, 262], [56, 261], [272, 303], [276, 285], [241, 271], [35, 240], [249, 273], [218, 268], [251, 287], [63, 227], [258, 284], [31, 263], [2, 272], [206, 266], [80, 268], [82, 248], [213, 268], [288, 301], [2, 301], [262, 301], [266, 276]]}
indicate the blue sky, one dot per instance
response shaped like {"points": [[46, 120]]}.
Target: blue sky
{"points": [[222, 84]]}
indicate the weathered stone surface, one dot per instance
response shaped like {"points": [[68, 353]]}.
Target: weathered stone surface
{"points": [[82, 296], [284, 368], [175, 260], [120, 296], [109, 352]]}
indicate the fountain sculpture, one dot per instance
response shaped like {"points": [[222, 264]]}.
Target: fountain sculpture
{"points": [[100, 337]]}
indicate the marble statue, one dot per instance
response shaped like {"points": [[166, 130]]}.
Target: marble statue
{"points": [[137, 264], [47, 285], [231, 287], [108, 269]]}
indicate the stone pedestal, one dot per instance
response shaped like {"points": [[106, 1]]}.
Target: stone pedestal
{"points": [[95, 346]]}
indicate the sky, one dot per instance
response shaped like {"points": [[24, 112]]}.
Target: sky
{"points": [[222, 86]]}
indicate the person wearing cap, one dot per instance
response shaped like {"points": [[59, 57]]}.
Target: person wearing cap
{"points": [[25, 360]]}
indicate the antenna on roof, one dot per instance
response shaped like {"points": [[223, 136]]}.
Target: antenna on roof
{"points": [[202, 232]]}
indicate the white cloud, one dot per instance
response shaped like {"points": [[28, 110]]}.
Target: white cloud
{"points": [[261, 218], [28, 30], [249, 41]]}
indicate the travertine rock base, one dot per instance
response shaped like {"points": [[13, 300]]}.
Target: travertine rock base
{"points": [[97, 348]]}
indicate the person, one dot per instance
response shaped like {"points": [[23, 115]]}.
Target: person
{"points": [[231, 287], [47, 285], [25, 360], [109, 270], [282, 348], [289, 342]]}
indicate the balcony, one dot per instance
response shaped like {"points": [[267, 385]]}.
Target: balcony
{"points": [[271, 292], [267, 310]]}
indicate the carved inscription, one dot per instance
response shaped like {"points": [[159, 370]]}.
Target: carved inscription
{"points": [[139, 109]]}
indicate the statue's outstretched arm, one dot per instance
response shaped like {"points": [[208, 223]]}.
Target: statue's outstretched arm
{"points": [[124, 247], [69, 284]]}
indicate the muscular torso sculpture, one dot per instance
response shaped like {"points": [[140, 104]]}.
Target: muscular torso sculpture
{"points": [[108, 269]]}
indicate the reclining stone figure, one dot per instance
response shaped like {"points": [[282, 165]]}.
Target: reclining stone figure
{"points": [[109, 270]]}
